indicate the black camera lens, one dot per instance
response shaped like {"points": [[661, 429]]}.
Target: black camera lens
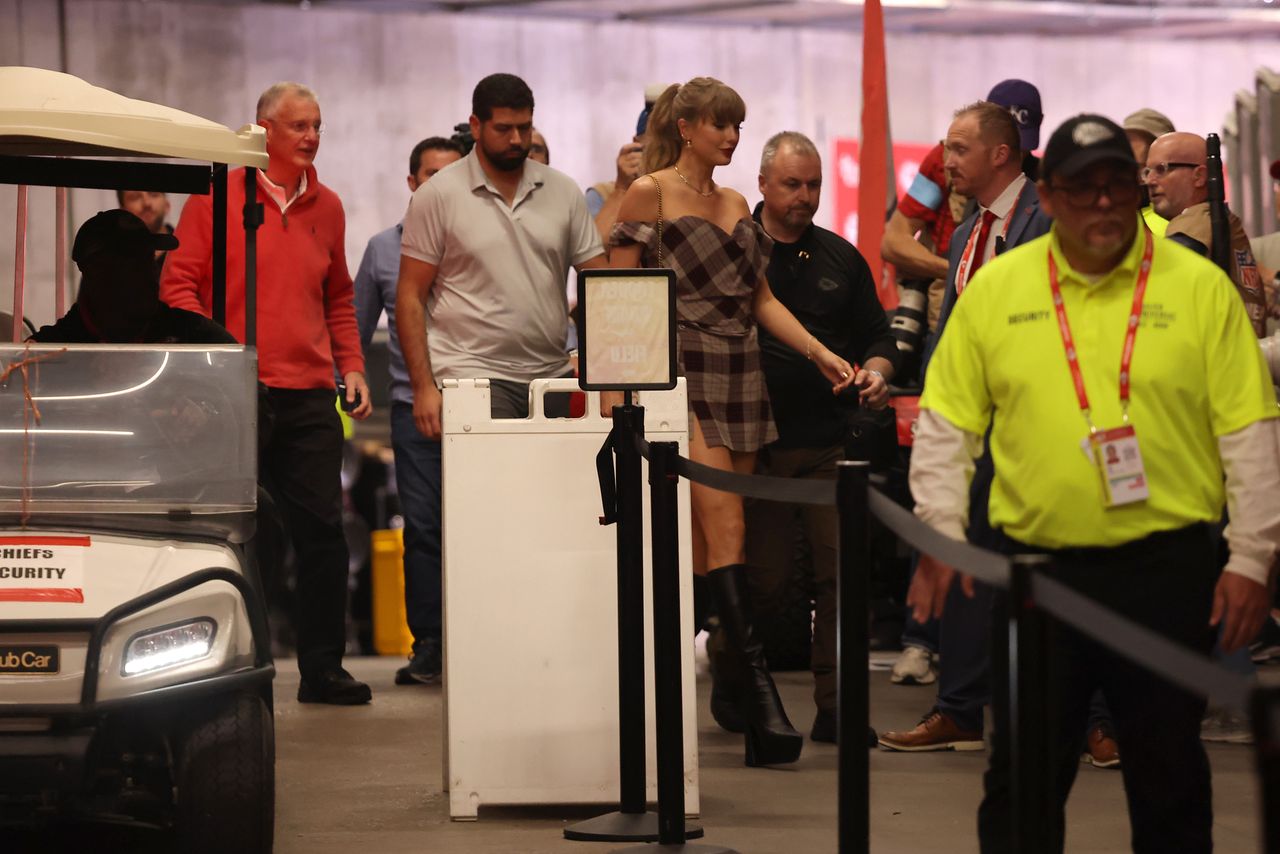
{"points": [[462, 137], [911, 319], [909, 325]]}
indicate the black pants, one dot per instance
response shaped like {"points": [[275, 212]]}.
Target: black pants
{"points": [[771, 550], [1164, 582], [301, 466]]}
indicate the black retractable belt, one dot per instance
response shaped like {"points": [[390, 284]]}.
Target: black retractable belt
{"points": [[1032, 605], [608, 483]]}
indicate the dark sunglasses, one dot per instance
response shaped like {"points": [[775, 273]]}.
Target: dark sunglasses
{"points": [[1120, 191]]}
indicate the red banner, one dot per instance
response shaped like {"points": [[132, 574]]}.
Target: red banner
{"points": [[907, 157], [873, 188]]}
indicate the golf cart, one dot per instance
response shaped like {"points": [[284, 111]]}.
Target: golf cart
{"points": [[135, 666]]}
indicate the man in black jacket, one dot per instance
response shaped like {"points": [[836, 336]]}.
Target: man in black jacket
{"points": [[823, 280], [119, 298]]}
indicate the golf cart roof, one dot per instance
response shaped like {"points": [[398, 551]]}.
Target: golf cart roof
{"points": [[50, 113]]}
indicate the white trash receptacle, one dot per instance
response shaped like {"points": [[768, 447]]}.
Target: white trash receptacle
{"points": [[530, 604]]}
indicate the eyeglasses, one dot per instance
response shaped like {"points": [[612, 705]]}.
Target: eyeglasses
{"points": [[1121, 191], [300, 127], [1162, 169]]}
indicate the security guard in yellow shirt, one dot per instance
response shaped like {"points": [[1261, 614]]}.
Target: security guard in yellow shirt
{"points": [[1127, 400]]}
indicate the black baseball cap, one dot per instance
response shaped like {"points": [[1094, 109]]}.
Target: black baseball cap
{"points": [[117, 230], [1082, 141]]}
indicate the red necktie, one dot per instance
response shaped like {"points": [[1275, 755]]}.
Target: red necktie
{"points": [[980, 250]]}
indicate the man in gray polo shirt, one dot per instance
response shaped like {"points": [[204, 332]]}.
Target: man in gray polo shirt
{"points": [[486, 249]]}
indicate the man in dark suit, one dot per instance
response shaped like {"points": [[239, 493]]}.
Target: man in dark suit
{"points": [[984, 153], [984, 161]]}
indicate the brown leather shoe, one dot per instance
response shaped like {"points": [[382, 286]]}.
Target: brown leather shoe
{"points": [[936, 731], [1102, 750]]}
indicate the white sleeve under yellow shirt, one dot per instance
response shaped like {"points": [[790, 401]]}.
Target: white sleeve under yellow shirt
{"points": [[1202, 405]]}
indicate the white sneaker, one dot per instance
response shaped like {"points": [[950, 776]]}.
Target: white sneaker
{"points": [[1223, 727], [913, 667]]}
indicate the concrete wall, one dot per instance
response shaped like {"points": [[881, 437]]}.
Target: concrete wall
{"points": [[387, 80]]}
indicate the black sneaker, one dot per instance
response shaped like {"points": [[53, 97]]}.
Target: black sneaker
{"points": [[336, 687], [424, 665]]}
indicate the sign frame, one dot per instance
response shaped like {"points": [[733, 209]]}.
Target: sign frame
{"points": [[585, 352]]}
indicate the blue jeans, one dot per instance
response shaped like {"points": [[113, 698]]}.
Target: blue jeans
{"points": [[418, 480], [914, 633]]}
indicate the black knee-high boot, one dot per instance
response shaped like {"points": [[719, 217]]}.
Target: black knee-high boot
{"points": [[771, 740], [726, 681]]}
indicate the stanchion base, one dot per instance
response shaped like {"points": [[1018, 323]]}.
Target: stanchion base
{"points": [[623, 827], [687, 848]]}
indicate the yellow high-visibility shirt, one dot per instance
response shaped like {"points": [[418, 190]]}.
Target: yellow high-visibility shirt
{"points": [[1154, 221], [1197, 374]]}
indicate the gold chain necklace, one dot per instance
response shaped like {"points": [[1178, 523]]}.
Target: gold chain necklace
{"points": [[708, 194]]}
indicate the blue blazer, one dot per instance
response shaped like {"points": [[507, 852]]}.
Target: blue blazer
{"points": [[1029, 222]]}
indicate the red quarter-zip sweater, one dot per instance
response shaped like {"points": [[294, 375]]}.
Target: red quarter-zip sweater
{"points": [[306, 319]]}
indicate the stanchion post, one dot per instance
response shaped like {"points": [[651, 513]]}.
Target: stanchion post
{"points": [[19, 264], [219, 258], [668, 680], [852, 651], [1032, 712], [668, 697], [252, 218], [1266, 732], [628, 422], [631, 822]]}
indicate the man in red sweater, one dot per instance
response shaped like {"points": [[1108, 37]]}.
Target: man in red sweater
{"points": [[307, 324]]}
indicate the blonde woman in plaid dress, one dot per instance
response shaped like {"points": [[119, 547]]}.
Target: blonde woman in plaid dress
{"points": [[719, 255]]}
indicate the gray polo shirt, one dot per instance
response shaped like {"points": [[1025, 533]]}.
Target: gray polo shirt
{"points": [[498, 307]]}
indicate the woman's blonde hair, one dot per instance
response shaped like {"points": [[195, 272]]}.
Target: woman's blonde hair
{"points": [[702, 98]]}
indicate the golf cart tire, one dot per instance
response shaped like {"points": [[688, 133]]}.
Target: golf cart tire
{"points": [[226, 779]]}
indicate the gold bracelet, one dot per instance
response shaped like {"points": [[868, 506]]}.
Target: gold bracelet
{"points": [[808, 353]]}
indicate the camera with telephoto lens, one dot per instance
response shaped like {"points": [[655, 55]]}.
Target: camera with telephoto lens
{"points": [[910, 324], [462, 138]]}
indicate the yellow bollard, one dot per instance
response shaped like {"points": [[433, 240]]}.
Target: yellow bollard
{"points": [[391, 635]]}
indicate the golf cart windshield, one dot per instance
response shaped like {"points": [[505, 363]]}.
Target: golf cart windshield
{"points": [[94, 429]]}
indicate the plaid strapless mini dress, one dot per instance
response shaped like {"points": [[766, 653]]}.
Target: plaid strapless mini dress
{"points": [[717, 348]]}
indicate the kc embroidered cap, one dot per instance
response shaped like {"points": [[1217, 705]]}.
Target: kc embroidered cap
{"points": [[1022, 100]]}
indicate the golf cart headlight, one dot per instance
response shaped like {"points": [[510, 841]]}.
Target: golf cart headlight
{"points": [[168, 647]]}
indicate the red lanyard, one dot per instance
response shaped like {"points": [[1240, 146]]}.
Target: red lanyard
{"points": [[1130, 334], [962, 269]]}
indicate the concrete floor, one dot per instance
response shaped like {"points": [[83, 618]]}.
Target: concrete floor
{"points": [[368, 778]]}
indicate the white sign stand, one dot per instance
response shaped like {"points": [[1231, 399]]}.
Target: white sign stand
{"points": [[530, 603]]}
